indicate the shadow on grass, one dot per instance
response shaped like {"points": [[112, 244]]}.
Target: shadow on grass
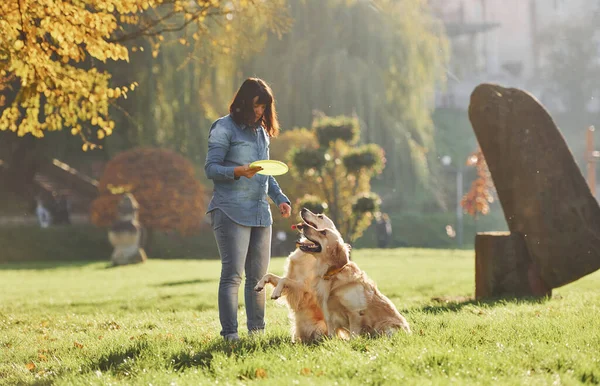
{"points": [[457, 304], [185, 282], [117, 359], [120, 361], [203, 356], [165, 303]]}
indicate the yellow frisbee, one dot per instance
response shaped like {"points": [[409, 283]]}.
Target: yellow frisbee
{"points": [[271, 167]]}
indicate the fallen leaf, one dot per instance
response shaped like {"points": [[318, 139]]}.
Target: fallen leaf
{"points": [[305, 371], [78, 345], [260, 373], [30, 366]]}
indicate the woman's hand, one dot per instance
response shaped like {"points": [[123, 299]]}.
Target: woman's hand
{"points": [[246, 171], [285, 209]]}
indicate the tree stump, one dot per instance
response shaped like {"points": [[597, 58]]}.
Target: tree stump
{"points": [[503, 267], [540, 187]]}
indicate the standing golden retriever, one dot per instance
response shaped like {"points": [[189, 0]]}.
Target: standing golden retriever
{"points": [[348, 298], [296, 286]]}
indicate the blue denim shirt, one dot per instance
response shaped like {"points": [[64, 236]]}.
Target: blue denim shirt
{"points": [[244, 200]]}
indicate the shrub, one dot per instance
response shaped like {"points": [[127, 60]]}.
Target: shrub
{"points": [[164, 184]]}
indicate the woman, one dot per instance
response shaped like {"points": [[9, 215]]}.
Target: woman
{"points": [[240, 213]]}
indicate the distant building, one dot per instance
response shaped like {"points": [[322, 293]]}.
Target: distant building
{"points": [[498, 41]]}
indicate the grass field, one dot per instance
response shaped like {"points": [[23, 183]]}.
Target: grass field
{"points": [[157, 324]]}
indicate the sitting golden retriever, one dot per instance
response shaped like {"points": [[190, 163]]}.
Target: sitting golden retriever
{"points": [[308, 323], [348, 298]]}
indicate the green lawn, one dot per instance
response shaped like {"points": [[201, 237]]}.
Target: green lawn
{"points": [[157, 324]]}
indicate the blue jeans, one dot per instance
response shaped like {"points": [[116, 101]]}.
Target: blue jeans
{"points": [[242, 249]]}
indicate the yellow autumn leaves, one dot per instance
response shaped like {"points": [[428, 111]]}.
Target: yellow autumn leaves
{"points": [[43, 44], [18, 45]]}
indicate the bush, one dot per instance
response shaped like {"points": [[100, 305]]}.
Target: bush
{"points": [[429, 230], [13, 204], [331, 129], [312, 203], [368, 158], [57, 243], [366, 203], [339, 173], [305, 159], [201, 245], [164, 184], [89, 243]]}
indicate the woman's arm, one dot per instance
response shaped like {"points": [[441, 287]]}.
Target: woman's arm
{"points": [[219, 140], [275, 192]]}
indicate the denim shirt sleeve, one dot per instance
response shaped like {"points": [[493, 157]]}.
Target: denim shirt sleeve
{"points": [[275, 192], [219, 140]]}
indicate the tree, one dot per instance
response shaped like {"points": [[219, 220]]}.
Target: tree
{"points": [[377, 59], [569, 74], [339, 172], [294, 188], [164, 184], [190, 82], [478, 199], [65, 65], [52, 48]]}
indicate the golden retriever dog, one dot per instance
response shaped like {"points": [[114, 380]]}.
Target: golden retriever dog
{"points": [[348, 298], [296, 285]]}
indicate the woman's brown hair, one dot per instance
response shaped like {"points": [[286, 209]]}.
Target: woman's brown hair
{"points": [[242, 107]]}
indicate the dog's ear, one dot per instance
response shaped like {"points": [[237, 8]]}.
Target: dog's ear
{"points": [[349, 249], [340, 256]]}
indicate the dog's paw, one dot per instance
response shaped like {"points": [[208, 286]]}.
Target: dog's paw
{"points": [[276, 294], [258, 287]]}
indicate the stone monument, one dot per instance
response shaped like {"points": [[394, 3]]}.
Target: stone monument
{"points": [[125, 233], [554, 220]]}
